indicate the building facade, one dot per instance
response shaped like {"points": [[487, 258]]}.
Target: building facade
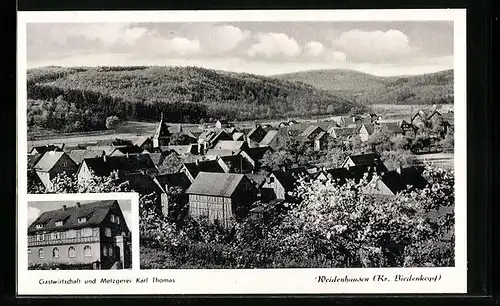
{"points": [[93, 235]]}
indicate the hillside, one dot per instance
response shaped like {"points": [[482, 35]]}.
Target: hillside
{"points": [[73, 99], [432, 88]]}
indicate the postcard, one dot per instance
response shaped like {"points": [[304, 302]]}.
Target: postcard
{"points": [[242, 152]]}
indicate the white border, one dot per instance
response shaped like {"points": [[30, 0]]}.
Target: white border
{"points": [[277, 281]]}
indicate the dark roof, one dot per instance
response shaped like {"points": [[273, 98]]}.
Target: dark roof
{"points": [[257, 153], [157, 158], [356, 173], [126, 150], [204, 166], [141, 183], [257, 179], [310, 130], [48, 160], [257, 134], [369, 128], [289, 177], [393, 127], [132, 163], [179, 179], [95, 213], [215, 184], [79, 155], [33, 159], [237, 163]]}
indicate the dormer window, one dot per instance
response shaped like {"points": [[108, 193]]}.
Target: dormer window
{"points": [[39, 226], [59, 223], [82, 220], [112, 218]]}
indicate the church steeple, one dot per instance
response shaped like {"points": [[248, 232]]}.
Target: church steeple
{"points": [[162, 133]]}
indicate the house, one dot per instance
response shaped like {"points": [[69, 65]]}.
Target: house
{"points": [[42, 149], [209, 138], [129, 150], [311, 132], [93, 234], [419, 119], [320, 141], [273, 139], [230, 145], [79, 155], [143, 142], [255, 155], [192, 169], [240, 163], [122, 166], [221, 196], [408, 128], [53, 163], [368, 160], [166, 182], [32, 160], [222, 124], [392, 127], [343, 133], [279, 183], [391, 182], [257, 179], [255, 136], [238, 136], [342, 175], [366, 130]]}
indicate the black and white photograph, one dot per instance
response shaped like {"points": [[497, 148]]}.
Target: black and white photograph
{"points": [[270, 142], [79, 235]]}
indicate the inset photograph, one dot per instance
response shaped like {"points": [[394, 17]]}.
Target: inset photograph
{"points": [[79, 235]]}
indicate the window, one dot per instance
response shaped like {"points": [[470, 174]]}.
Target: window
{"points": [[39, 237], [82, 220], [55, 236], [59, 223], [71, 252], [71, 234], [39, 226], [86, 251], [117, 220], [55, 253], [40, 253], [107, 232], [105, 251], [112, 218], [110, 251], [86, 232]]}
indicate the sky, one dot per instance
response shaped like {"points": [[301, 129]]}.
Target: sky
{"points": [[265, 48], [35, 209]]}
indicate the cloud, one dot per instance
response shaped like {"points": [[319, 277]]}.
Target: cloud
{"points": [[336, 56], [314, 48], [222, 39], [183, 46], [373, 46], [33, 213], [274, 44]]}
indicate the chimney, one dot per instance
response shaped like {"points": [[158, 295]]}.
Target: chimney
{"points": [[78, 204], [64, 207], [104, 157], [283, 168]]}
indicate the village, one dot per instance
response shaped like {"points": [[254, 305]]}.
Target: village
{"points": [[220, 172]]}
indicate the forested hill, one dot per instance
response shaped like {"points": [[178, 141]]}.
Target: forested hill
{"points": [[432, 88], [73, 99]]}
